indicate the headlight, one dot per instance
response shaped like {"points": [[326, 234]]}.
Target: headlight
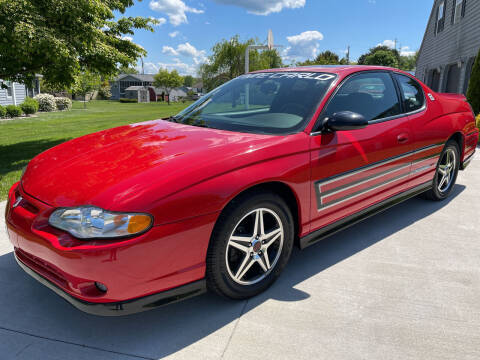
{"points": [[88, 222]]}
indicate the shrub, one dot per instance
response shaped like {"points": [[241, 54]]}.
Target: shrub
{"points": [[29, 106], [126, 100], [104, 91], [14, 111], [3, 111], [46, 102], [63, 103], [478, 121], [473, 92]]}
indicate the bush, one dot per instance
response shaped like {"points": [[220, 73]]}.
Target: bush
{"points": [[29, 106], [63, 103], [104, 91], [478, 121], [14, 111], [473, 92], [126, 100], [3, 111], [46, 102]]}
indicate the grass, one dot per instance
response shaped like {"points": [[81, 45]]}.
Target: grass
{"points": [[23, 139]]}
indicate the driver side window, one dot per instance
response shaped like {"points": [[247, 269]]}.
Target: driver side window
{"points": [[370, 94]]}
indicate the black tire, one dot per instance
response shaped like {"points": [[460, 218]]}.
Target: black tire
{"points": [[435, 194], [219, 279]]}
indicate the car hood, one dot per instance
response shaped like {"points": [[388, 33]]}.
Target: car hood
{"points": [[114, 167]]}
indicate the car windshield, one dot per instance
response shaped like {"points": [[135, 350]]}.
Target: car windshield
{"points": [[264, 103]]}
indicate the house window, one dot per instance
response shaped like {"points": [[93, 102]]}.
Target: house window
{"points": [[9, 88], [440, 23], [458, 10]]}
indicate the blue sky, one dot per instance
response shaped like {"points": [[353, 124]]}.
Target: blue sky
{"points": [[189, 29]]}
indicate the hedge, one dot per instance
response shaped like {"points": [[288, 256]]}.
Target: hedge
{"points": [[29, 106], [126, 100], [14, 111], [3, 111]]}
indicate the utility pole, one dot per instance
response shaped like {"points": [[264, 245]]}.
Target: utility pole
{"points": [[348, 55], [395, 44]]}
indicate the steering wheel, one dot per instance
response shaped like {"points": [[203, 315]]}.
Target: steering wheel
{"points": [[293, 108]]}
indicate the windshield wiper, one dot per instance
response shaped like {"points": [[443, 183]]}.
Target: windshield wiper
{"points": [[173, 119]]}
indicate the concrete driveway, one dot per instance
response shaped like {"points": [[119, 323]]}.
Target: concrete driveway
{"points": [[402, 285]]}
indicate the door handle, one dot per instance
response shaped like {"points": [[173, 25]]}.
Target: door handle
{"points": [[402, 138]]}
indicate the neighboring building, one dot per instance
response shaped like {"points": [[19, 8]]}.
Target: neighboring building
{"points": [[129, 85], [124, 81], [450, 45], [15, 93], [140, 93]]}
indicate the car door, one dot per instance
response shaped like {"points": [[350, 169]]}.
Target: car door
{"points": [[354, 169], [427, 139]]}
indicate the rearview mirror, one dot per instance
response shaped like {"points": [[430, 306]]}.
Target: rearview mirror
{"points": [[345, 120]]}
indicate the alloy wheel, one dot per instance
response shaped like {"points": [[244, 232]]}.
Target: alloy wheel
{"points": [[446, 170], [254, 246]]}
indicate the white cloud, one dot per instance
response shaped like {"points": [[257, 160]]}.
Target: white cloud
{"points": [[174, 34], [160, 20], [175, 9], [129, 38], [187, 50], [169, 51], [406, 51], [148, 68], [264, 7], [181, 67], [303, 46], [387, 43]]}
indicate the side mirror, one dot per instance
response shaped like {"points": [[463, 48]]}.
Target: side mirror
{"points": [[345, 120]]}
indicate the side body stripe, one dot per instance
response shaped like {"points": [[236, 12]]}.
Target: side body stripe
{"points": [[350, 185]]}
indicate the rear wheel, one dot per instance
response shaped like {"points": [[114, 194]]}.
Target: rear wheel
{"points": [[250, 246], [446, 173]]}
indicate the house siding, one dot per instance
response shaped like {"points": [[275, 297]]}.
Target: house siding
{"points": [[456, 45], [20, 93]]}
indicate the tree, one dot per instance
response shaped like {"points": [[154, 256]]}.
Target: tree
{"points": [[408, 63], [188, 81], [167, 80], [62, 38], [127, 70], [86, 83], [104, 90], [473, 92], [325, 58], [228, 61], [381, 58], [372, 51]]}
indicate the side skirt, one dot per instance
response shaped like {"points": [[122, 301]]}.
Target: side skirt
{"points": [[348, 221]]}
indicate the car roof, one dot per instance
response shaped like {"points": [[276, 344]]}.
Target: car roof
{"points": [[336, 69]]}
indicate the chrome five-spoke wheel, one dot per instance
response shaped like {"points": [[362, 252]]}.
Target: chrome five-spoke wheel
{"points": [[251, 244], [254, 246], [446, 170]]}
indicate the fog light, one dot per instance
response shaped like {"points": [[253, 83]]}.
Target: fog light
{"points": [[101, 287]]}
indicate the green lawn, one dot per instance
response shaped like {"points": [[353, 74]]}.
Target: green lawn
{"points": [[21, 140]]}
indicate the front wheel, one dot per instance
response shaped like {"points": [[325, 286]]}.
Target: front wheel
{"points": [[250, 246], [446, 173]]}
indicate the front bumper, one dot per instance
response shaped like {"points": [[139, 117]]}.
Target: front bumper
{"points": [[163, 265], [125, 307]]}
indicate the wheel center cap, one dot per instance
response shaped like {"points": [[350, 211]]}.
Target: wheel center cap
{"points": [[257, 245]]}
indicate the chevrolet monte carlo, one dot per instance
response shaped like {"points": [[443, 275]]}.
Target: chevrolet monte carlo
{"points": [[142, 215]]}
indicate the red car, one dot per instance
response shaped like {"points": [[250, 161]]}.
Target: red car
{"points": [[215, 197]]}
